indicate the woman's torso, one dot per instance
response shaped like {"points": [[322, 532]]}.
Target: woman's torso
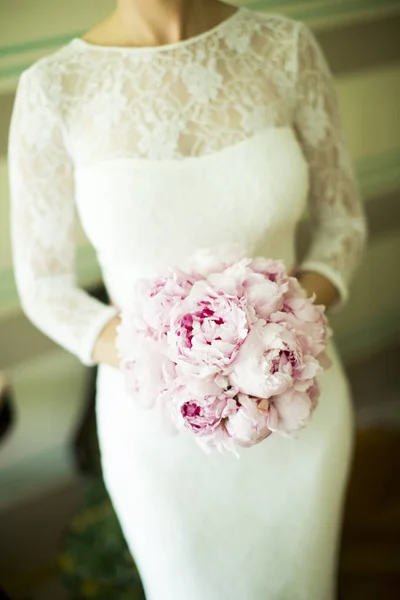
{"points": [[182, 147]]}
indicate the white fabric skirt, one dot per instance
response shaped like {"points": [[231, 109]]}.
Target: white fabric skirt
{"points": [[203, 526]]}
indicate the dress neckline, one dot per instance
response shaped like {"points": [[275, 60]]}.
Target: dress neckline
{"points": [[217, 29]]}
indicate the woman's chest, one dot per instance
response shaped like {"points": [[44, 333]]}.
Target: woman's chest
{"points": [[167, 112], [253, 189]]}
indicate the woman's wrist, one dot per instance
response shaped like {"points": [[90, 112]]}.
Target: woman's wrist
{"points": [[105, 351], [315, 283]]}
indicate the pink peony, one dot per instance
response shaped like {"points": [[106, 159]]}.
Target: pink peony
{"points": [[248, 425], [273, 270], [270, 360], [309, 322], [147, 373], [264, 295], [214, 260], [261, 296], [207, 330], [229, 351], [290, 411], [231, 280], [203, 409], [203, 416], [154, 300]]}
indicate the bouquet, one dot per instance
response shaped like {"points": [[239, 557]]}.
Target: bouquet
{"points": [[228, 348]]}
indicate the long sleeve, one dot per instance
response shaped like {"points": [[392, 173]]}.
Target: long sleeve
{"points": [[43, 226], [335, 206]]}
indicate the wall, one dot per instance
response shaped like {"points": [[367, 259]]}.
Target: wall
{"points": [[360, 40]]}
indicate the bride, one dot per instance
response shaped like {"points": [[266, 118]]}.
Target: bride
{"points": [[175, 125]]}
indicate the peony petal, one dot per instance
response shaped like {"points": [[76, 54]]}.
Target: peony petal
{"points": [[293, 410], [249, 425]]}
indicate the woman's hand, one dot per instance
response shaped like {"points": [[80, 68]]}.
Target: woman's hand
{"points": [[105, 350], [314, 283]]}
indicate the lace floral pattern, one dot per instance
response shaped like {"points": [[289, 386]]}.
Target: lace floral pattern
{"points": [[86, 104], [335, 205]]}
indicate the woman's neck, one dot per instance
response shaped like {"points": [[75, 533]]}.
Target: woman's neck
{"points": [[158, 22]]}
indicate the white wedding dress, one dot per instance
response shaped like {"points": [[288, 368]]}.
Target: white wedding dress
{"points": [[228, 136]]}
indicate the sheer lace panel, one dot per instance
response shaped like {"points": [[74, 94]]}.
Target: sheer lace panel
{"points": [[336, 209], [43, 227], [170, 103]]}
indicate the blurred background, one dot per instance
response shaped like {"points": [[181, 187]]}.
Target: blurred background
{"points": [[55, 519]]}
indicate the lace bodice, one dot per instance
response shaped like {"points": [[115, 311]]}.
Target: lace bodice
{"points": [[157, 136]]}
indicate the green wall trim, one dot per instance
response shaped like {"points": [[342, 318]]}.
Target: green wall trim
{"points": [[343, 10], [305, 11], [14, 71], [375, 173], [315, 9], [34, 45]]}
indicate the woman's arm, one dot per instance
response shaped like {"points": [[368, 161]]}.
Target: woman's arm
{"points": [[105, 350], [322, 288], [43, 229], [339, 227]]}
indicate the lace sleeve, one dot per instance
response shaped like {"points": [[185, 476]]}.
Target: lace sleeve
{"points": [[43, 226], [336, 210]]}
